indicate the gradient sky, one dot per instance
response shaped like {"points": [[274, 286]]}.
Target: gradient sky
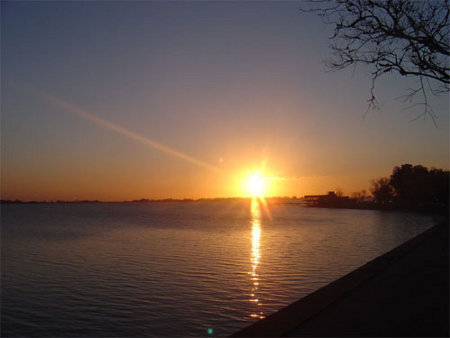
{"points": [[127, 100]]}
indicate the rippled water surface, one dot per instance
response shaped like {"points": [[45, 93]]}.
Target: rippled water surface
{"points": [[176, 268]]}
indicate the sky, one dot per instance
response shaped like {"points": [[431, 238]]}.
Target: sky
{"points": [[129, 100]]}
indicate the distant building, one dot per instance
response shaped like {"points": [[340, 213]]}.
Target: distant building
{"points": [[330, 200]]}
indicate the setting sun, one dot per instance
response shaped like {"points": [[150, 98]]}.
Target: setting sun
{"points": [[256, 185]]}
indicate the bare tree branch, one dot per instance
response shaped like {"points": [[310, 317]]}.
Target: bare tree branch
{"points": [[407, 37]]}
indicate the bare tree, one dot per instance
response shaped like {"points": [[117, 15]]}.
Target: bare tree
{"points": [[359, 196], [408, 37]]}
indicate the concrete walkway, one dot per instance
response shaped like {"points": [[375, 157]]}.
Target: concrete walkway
{"points": [[404, 292]]}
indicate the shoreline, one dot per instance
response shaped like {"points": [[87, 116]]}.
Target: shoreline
{"points": [[145, 200], [403, 292]]}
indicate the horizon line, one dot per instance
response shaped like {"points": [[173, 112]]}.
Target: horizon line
{"points": [[143, 200]]}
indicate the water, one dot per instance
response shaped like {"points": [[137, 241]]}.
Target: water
{"points": [[176, 268]]}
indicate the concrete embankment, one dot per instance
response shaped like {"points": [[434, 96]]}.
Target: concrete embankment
{"points": [[404, 292]]}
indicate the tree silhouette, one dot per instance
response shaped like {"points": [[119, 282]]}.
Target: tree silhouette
{"points": [[416, 186], [382, 190], [359, 196], [408, 37], [413, 187], [440, 182]]}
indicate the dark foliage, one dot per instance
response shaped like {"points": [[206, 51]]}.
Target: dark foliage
{"points": [[382, 191], [417, 186], [413, 187]]}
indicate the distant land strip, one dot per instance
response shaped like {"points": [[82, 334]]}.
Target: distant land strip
{"points": [[145, 200]]}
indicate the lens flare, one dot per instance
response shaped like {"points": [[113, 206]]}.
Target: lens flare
{"points": [[127, 133]]}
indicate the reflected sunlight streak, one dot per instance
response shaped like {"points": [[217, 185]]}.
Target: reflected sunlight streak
{"points": [[255, 256]]}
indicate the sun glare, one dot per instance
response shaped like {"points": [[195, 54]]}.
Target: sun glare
{"points": [[256, 185]]}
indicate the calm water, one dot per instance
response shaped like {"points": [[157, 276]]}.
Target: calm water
{"points": [[176, 268]]}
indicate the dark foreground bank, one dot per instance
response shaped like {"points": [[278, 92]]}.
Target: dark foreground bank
{"points": [[404, 292]]}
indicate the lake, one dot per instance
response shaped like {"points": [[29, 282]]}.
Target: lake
{"points": [[198, 268]]}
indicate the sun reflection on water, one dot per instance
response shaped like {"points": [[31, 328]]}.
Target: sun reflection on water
{"points": [[255, 258]]}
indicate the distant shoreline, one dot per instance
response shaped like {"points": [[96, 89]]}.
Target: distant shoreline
{"points": [[292, 200]]}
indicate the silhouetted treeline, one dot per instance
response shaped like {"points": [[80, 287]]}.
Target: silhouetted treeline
{"points": [[413, 187], [407, 188]]}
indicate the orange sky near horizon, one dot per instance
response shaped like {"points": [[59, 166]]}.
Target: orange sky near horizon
{"points": [[127, 170], [195, 187], [86, 174]]}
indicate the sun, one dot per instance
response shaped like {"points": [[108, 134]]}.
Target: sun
{"points": [[256, 185]]}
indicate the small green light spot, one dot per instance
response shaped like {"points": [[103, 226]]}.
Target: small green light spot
{"points": [[210, 331]]}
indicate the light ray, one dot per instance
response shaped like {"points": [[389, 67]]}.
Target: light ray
{"points": [[125, 132], [265, 207]]}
